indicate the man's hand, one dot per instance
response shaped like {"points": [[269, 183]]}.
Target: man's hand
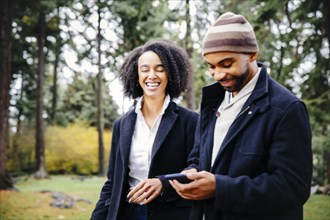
{"points": [[145, 191], [192, 170], [203, 186]]}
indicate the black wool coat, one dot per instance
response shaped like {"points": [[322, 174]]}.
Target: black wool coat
{"points": [[173, 143], [264, 167]]}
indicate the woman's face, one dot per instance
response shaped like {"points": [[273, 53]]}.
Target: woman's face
{"points": [[152, 75]]}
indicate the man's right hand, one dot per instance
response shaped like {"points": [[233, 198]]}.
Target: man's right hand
{"points": [[203, 186]]}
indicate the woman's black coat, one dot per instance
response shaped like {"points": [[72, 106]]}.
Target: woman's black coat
{"points": [[172, 145]]}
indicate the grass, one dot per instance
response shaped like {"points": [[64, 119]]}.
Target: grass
{"points": [[30, 204], [317, 208]]}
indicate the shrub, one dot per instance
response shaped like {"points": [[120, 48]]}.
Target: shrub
{"points": [[71, 149]]}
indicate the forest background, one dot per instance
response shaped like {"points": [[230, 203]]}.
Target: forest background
{"points": [[59, 62]]}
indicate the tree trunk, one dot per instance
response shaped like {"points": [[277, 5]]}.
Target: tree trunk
{"points": [[190, 96], [57, 52], [40, 145], [100, 123], [326, 11], [54, 89], [326, 157], [16, 154], [5, 78]]}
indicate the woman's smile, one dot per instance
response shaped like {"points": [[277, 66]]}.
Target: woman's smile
{"points": [[152, 75]]}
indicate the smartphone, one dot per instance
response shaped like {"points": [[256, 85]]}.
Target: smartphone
{"points": [[182, 178]]}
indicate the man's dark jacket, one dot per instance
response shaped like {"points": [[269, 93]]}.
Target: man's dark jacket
{"points": [[264, 167], [172, 146]]}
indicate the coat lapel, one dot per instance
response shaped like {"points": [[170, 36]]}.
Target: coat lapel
{"points": [[165, 126], [257, 102], [208, 141], [126, 134], [238, 125]]}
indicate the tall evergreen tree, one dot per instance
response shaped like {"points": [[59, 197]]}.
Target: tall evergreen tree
{"points": [[100, 115], [190, 96], [294, 44], [5, 79], [57, 52], [40, 144]]}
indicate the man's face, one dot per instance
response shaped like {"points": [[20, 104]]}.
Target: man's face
{"points": [[232, 70]]}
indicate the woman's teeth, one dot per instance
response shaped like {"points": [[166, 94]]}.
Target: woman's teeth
{"points": [[152, 84]]}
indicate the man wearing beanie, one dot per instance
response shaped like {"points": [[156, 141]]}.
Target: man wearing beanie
{"points": [[252, 159]]}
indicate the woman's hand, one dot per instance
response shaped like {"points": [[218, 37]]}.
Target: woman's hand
{"points": [[145, 191]]}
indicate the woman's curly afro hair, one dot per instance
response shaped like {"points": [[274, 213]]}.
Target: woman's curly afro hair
{"points": [[174, 58]]}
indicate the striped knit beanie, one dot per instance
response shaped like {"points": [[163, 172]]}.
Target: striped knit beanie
{"points": [[231, 33]]}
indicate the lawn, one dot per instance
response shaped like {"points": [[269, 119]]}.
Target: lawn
{"points": [[29, 203], [317, 208]]}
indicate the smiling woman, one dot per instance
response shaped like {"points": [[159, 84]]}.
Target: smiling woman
{"points": [[174, 60], [152, 76], [151, 140]]}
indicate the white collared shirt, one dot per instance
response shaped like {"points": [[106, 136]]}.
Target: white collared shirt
{"points": [[228, 111], [142, 142]]}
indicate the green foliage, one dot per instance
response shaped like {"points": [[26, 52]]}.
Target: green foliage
{"points": [[321, 159], [136, 19], [292, 42], [22, 159], [201, 77], [71, 149], [292, 36], [79, 103]]}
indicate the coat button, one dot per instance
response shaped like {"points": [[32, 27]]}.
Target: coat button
{"points": [[250, 112], [151, 212]]}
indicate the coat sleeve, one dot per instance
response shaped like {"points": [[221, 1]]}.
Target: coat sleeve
{"points": [[286, 180], [193, 159], [101, 209], [168, 193]]}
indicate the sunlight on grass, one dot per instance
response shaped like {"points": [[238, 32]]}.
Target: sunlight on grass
{"points": [[29, 203], [317, 208], [89, 188]]}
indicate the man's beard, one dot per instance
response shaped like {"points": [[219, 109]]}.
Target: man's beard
{"points": [[241, 81]]}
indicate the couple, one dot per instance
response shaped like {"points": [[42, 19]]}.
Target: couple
{"points": [[248, 153]]}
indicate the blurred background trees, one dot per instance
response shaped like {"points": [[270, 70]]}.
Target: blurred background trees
{"points": [[60, 61]]}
